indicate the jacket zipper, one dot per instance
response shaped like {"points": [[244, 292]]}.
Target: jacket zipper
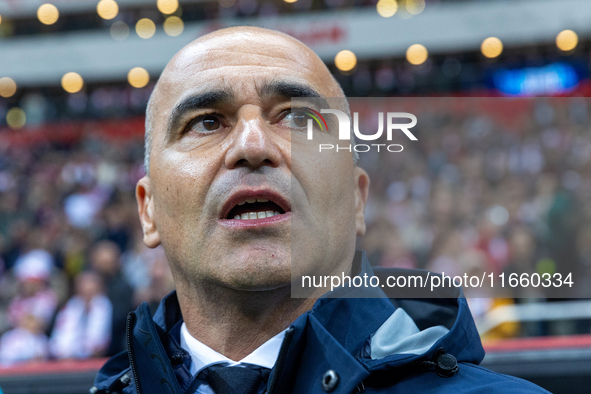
{"points": [[280, 360], [128, 333]]}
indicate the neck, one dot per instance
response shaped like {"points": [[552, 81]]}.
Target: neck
{"points": [[234, 322]]}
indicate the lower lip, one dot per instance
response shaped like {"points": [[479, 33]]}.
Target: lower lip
{"points": [[249, 223]]}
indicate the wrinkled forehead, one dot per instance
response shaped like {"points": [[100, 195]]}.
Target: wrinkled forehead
{"points": [[241, 62]]}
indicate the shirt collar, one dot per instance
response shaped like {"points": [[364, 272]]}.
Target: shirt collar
{"points": [[202, 356]]}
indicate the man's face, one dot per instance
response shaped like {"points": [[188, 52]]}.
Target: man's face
{"points": [[222, 156]]}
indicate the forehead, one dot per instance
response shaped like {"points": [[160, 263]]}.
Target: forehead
{"points": [[241, 62]]}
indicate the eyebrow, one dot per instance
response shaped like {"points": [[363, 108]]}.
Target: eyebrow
{"points": [[213, 98], [197, 101], [292, 90]]}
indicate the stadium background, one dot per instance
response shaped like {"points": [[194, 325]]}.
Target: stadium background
{"points": [[73, 89]]}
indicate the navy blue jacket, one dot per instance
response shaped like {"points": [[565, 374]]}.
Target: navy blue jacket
{"points": [[341, 346]]}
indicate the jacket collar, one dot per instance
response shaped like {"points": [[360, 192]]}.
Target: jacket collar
{"points": [[331, 336], [336, 332]]}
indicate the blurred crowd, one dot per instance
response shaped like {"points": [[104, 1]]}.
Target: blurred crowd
{"points": [[72, 259], [501, 187]]}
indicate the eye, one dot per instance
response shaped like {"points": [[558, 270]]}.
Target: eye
{"points": [[297, 118], [300, 118], [211, 122], [205, 124]]}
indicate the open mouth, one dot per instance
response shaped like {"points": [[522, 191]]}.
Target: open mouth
{"points": [[255, 205], [255, 208]]}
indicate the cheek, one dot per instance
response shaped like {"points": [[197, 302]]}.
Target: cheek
{"points": [[323, 227], [181, 181], [327, 182]]}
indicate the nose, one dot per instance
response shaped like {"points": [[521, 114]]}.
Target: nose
{"points": [[253, 144]]}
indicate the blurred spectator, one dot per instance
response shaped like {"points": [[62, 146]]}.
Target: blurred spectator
{"points": [[27, 342], [136, 263], [390, 250], [82, 206], [105, 260], [116, 221], [83, 326], [160, 281], [35, 298]]}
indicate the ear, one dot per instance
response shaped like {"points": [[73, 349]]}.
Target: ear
{"points": [[361, 193], [145, 204]]}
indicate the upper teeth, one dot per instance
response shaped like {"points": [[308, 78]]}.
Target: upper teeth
{"points": [[253, 200], [256, 215]]}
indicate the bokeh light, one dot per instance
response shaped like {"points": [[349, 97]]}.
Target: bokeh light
{"points": [[107, 9], [415, 7], [167, 6], [145, 28], [567, 40], [387, 8], [0, 19], [72, 82], [119, 31], [491, 47], [138, 77], [173, 26], [345, 60], [290, 1], [416, 54], [48, 14], [7, 87], [16, 118]]}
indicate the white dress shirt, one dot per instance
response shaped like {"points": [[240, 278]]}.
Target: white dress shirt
{"points": [[202, 356]]}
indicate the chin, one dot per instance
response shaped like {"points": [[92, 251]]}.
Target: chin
{"points": [[256, 270], [261, 280]]}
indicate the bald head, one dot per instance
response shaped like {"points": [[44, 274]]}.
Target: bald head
{"points": [[229, 51]]}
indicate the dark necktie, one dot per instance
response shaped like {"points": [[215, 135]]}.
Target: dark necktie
{"points": [[236, 380]]}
